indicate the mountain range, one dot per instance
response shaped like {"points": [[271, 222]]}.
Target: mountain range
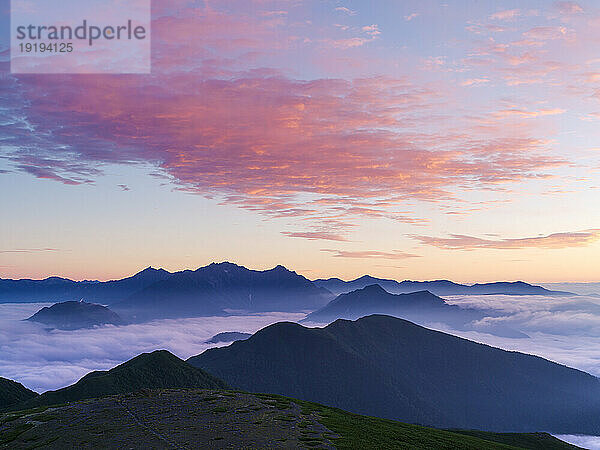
{"points": [[226, 288], [216, 289], [437, 287], [219, 289], [388, 367], [56, 289], [421, 307]]}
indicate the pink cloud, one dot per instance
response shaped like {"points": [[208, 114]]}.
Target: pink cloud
{"points": [[30, 250], [507, 14], [315, 235], [568, 8], [218, 120], [369, 254], [552, 241]]}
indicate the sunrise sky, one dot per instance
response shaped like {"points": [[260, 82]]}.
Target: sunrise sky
{"points": [[405, 139]]}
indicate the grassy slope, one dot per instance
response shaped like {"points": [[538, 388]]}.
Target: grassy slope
{"points": [[357, 431], [159, 369], [182, 416]]}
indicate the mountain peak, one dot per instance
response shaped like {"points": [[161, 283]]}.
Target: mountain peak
{"points": [[72, 315], [372, 289], [281, 269], [150, 272], [159, 369]]}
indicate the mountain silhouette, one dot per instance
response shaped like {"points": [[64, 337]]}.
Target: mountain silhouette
{"points": [[373, 299], [75, 315], [159, 369], [437, 287], [421, 307], [218, 288], [56, 289], [12, 393], [388, 367]]}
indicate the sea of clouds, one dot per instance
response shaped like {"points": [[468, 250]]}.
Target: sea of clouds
{"points": [[44, 359], [563, 329]]}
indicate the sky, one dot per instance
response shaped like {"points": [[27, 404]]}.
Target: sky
{"points": [[408, 140]]}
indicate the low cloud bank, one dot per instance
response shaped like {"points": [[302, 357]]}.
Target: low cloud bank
{"points": [[565, 330], [42, 359], [589, 442], [562, 329]]}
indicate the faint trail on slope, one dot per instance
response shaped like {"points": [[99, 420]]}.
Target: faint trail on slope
{"points": [[147, 427]]}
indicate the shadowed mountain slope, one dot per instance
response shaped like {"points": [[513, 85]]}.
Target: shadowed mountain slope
{"points": [[12, 393], [389, 367]]}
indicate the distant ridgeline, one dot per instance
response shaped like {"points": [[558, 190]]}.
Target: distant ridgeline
{"points": [[438, 287], [156, 293], [219, 289], [422, 307]]}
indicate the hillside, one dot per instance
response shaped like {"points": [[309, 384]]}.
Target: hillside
{"points": [[392, 368], [225, 419], [437, 287], [159, 369], [12, 393], [75, 315]]}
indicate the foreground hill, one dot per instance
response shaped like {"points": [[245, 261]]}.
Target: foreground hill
{"points": [[225, 419], [12, 393], [388, 367], [215, 288], [75, 315], [437, 287], [159, 369]]}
